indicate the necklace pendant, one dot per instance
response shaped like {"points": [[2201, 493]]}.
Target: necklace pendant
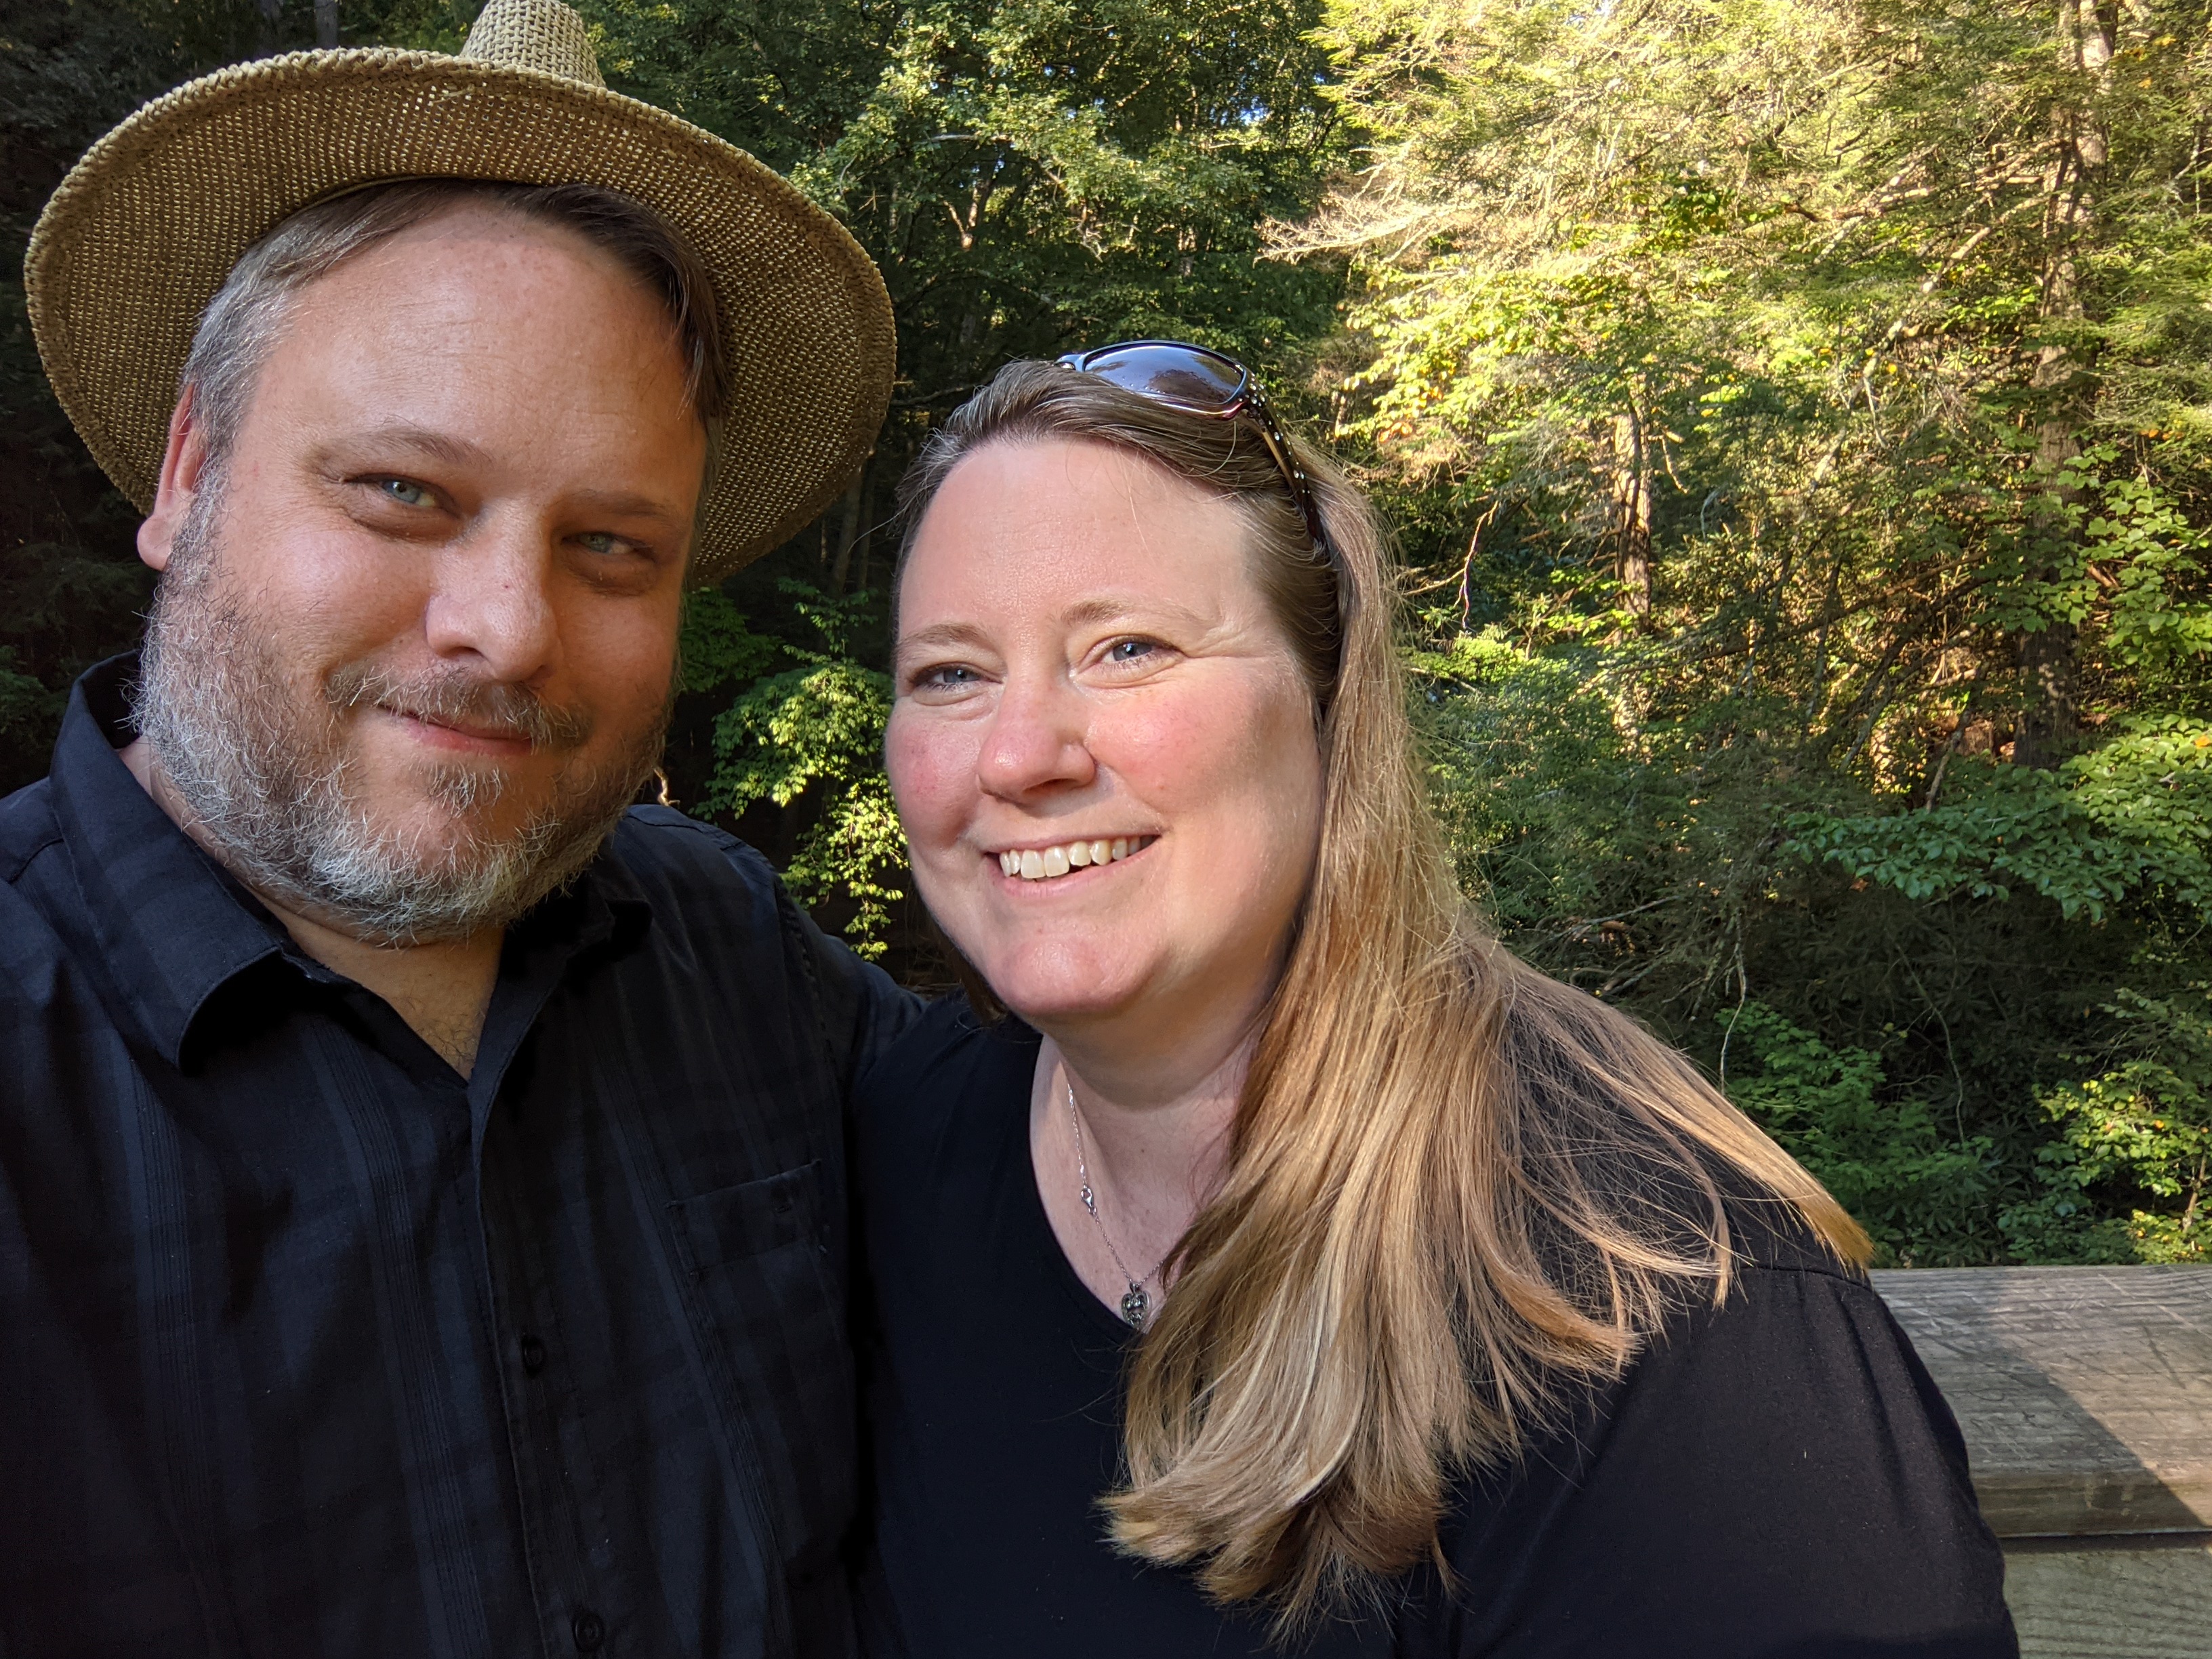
{"points": [[1136, 1306]]}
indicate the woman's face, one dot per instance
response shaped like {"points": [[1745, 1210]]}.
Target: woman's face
{"points": [[1085, 665]]}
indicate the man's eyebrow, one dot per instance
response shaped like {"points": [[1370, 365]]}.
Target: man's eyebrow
{"points": [[438, 446], [459, 452], [619, 504]]}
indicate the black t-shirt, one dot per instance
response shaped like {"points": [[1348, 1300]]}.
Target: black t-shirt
{"points": [[1778, 1478]]}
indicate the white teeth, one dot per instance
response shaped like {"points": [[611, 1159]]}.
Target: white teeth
{"points": [[1044, 864]]}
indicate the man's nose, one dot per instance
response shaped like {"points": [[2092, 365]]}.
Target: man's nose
{"points": [[1038, 739], [494, 601]]}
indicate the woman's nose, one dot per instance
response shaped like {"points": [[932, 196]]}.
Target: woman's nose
{"points": [[1037, 741]]}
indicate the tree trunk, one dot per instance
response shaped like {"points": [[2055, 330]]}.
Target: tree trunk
{"points": [[848, 529], [2063, 378], [2050, 723], [326, 23], [1632, 511]]}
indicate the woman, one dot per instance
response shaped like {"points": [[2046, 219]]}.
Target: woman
{"points": [[1294, 1269]]}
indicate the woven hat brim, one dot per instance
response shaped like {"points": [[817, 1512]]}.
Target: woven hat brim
{"points": [[148, 225]]}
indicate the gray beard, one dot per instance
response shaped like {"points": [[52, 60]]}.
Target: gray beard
{"points": [[265, 782]]}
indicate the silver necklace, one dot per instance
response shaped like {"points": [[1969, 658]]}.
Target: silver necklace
{"points": [[1136, 1305]]}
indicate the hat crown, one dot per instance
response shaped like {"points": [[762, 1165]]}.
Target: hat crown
{"points": [[534, 34]]}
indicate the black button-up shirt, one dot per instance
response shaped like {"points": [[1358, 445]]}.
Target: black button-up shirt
{"points": [[310, 1346]]}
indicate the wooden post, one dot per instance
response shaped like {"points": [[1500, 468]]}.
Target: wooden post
{"points": [[2085, 1394]]}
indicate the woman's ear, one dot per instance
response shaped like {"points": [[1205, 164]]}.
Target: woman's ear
{"points": [[183, 464]]}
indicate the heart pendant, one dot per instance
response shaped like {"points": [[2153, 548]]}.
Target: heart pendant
{"points": [[1136, 1306]]}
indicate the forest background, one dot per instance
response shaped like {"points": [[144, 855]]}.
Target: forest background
{"points": [[1796, 417]]}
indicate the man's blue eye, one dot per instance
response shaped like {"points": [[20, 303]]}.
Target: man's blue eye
{"points": [[1129, 650], [405, 492], [598, 541]]}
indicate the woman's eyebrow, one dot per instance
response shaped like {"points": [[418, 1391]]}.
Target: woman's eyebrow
{"points": [[1105, 608], [1088, 612], [944, 633]]}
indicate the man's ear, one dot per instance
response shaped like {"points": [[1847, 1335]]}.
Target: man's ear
{"points": [[184, 466]]}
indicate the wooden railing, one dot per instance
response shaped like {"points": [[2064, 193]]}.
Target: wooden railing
{"points": [[2086, 1398]]}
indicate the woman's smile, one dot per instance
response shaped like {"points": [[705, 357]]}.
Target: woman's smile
{"points": [[1042, 864]]}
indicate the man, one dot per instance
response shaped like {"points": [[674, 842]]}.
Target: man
{"points": [[421, 1179]]}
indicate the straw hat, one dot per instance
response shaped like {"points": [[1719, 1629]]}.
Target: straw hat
{"points": [[148, 225]]}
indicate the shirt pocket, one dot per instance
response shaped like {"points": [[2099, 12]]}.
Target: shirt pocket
{"points": [[763, 1291], [750, 1220]]}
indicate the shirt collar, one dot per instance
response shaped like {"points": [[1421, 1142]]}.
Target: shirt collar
{"points": [[175, 928], [172, 928]]}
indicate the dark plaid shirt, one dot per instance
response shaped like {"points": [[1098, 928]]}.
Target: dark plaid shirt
{"points": [[310, 1346]]}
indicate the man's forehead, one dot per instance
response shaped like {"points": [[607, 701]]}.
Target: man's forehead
{"points": [[478, 249], [444, 311]]}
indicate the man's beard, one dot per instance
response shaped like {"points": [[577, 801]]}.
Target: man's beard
{"points": [[267, 785]]}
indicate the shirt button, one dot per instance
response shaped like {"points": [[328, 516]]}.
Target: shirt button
{"points": [[588, 1631], [533, 1361]]}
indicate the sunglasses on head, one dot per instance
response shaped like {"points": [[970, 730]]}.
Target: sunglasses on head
{"points": [[1200, 382]]}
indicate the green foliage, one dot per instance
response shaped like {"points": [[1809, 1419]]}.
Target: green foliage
{"points": [[26, 707], [2139, 1133], [1923, 1192], [2129, 818], [1797, 418], [1030, 177], [70, 584], [814, 726]]}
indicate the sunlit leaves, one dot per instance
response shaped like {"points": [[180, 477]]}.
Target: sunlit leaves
{"points": [[1889, 320], [2135, 814], [816, 727], [2146, 1126]]}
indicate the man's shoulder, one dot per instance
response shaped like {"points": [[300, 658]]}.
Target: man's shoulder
{"points": [[37, 890], [30, 842], [27, 827], [666, 852], [951, 1059]]}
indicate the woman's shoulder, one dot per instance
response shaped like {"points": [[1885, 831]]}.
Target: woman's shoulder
{"points": [[1767, 1232], [1776, 1474], [1773, 1471], [1586, 1134]]}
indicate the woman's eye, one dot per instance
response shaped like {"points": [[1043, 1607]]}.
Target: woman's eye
{"points": [[945, 677], [1130, 650], [406, 492]]}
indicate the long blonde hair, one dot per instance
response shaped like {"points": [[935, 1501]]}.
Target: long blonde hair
{"points": [[1457, 1190]]}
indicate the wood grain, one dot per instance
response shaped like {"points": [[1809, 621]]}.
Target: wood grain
{"points": [[2085, 1394], [2136, 1601]]}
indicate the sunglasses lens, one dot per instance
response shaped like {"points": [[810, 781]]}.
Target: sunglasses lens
{"points": [[1180, 375], [1206, 383]]}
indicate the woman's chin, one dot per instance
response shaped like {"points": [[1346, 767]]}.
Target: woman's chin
{"points": [[1046, 1008], [1060, 991]]}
